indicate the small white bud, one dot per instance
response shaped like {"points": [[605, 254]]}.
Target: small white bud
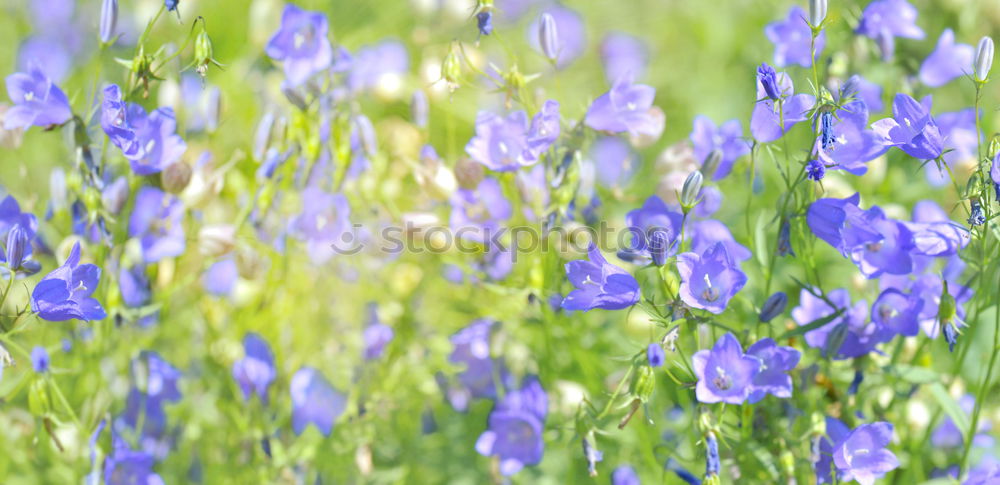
{"points": [[817, 12], [984, 58]]}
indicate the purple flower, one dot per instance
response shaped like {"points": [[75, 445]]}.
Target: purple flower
{"points": [[471, 348], [301, 43], [710, 279], [65, 293], [961, 143], [315, 402], [501, 143], [653, 217], [545, 129], [599, 284], [515, 428], [872, 241], [862, 90], [376, 63], [775, 361], [324, 224], [476, 214], [376, 335], [255, 371], [623, 56], [704, 234], [157, 220], [862, 454], [766, 120], [221, 277], [883, 20], [792, 38], [37, 101], [948, 61], [615, 162], [484, 22], [947, 435], [145, 406], [851, 144], [625, 475], [40, 359], [729, 138], [724, 373], [572, 35], [125, 466], [625, 108], [911, 128], [843, 337], [934, 234], [157, 143], [897, 312], [989, 475], [115, 114]]}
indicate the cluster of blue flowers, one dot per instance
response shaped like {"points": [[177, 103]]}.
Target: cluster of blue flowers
{"points": [[139, 227]]}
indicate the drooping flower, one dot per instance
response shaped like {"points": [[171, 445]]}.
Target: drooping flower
{"points": [[710, 279], [40, 360], [911, 128], [625, 108], [934, 233], [157, 220], [515, 428], [728, 138], [37, 101], [725, 373], [653, 218], [65, 293], [301, 44], [770, 119], [315, 402], [623, 55], [599, 284], [851, 144], [775, 361], [324, 224], [655, 355], [791, 38], [948, 61], [255, 372], [883, 20], [476, 214]]}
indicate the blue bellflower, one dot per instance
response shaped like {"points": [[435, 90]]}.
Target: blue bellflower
{"points": [[157, 220], [728, 137], [884, 20], [599, 284], [725, 373], [710, 279], [948, 61], [255, 371], [772, 378], [37, 101], [626, 108], [791, 39], [769, 120], [65, 293], [515, 428], [301, 44], [911, 128], [315, 402]]}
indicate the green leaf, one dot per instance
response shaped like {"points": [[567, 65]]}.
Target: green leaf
{"points": [[951, 408], [760, 242], [813, 325]]}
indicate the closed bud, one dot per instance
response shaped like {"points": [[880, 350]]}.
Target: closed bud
{"points": [[216, 239], [18, 246], [109, 20], [175, 177], [835, 340], [469, 173], [451, 69], [548, 36], [644, 383], [484, 20], [947, 306], [817, 12], [659, 246], [712, 461], [691, 189], [774, 306], [202, 52], [984, 58], [711, 163]]}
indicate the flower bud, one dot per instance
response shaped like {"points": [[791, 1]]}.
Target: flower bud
{"points": [[691, 189], [817, 12], [644, 383], [785, 238], [216, 239], [548, 36], [711, 163], [18, 246], [774, 306], [202, 52], [712, 461], [835, 340], [655, 355], [176, 177], [109, 20], [484, 21], [451, 69], [659, 246], [984, 58], [769, 80]]}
